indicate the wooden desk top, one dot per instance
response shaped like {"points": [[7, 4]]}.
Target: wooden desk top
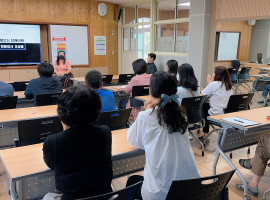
{"points": [[260, 76], [143, 98], [27, 113], [115, 88], [27, 160], [20, 94], [263, 68], [256, 115], [82, 79]]}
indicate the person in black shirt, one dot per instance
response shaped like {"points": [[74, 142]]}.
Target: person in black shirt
{"points": [[151, 65], [81, 154]]}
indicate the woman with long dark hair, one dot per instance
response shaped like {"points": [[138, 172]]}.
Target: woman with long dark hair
{"points": [[218, 92], [188, 83], [161, 130], [62, 66]]}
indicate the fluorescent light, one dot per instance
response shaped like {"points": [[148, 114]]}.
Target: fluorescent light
{"points": [[184, 4]]}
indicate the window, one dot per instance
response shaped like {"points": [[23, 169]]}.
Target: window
{"points": [[181, 45], [166, 9], [165, 38], [144, 13]]}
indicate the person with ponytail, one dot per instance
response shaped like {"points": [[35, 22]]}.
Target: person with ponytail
{"points": [[161, 131]]}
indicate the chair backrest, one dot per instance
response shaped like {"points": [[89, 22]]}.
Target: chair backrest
{"points": [[47, 99], [193, 106], [244, 73], [20, 86], [196, 189], [238, 102], [233, 74], [37, 130], [140, 90], [125, 78], [114, 119], [123, 194], [8, 102], [107, 79]]}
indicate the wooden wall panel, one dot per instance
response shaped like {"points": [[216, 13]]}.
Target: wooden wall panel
{"points": [[4, 75], [242, 9], [79, 12], [245, 38]]}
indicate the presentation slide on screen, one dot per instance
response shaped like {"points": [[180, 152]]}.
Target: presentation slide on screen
{"points": [[19, 43]]}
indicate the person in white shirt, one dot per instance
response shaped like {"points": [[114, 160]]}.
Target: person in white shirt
{"points": [[161, 131], [188, 83], [218, 92]]}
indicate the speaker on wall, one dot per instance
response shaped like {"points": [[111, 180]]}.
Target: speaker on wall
{"points": [[119, 14]]}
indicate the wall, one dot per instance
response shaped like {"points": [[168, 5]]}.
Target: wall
{"points": [[79, 12], [245, 39]]}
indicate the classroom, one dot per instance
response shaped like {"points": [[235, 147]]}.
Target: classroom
{"points": [[134, 99]]}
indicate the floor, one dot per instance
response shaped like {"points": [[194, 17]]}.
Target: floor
{"points": [[204, 165]]}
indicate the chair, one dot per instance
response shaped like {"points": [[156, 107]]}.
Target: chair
{"points": [[124, 78], [114, 119], [194, 189], [193, 106], [141, 90], [20, 86], [121, 194], [47, 99], [244, 78], [234, 77], [37, 130], [8, 102], [107, 80]]}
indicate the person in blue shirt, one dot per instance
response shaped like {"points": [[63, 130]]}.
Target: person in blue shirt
{"points": [[6, 89], [93, 80], [45, 84]]}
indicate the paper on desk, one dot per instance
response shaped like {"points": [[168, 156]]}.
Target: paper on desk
{"points": [[240, 121], [121, 87]]}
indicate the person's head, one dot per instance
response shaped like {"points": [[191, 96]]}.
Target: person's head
{"points": [[139, 66], [222, 74], [61, 56], [45, 69], [170, 114], [61, 53], [187, 77], [151, 57], [78, 106], [172, 66], [94, 79]]}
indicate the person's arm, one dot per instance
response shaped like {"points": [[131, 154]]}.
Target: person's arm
{"points": [[130, 84], [68, 66], [47, 154], [28, 91], [55, 68], [135, 133], [209, 90]]}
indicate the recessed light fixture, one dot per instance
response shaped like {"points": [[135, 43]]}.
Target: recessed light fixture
{"points": [[184, 4]]}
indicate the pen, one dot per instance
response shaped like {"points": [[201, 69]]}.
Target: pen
{"points": [[238, 121]]}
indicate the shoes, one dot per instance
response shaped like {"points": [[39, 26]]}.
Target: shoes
{"points": [[268, 100], [251, 190], [245, 163], [260, 101], [206, 141]]}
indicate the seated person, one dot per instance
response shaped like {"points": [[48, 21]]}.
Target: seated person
{"points": [[141, 78], [151, 65], [188, 83], [257, 165], [81, 154], [266, 89], [161, 131], [93, 79], [6, 89], [172, 67], [45, 84], [62, 66]]}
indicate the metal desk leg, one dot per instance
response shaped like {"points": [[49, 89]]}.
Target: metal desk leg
{"points": [[220, 152], [217, 154], [253, 90], [12, 187]]}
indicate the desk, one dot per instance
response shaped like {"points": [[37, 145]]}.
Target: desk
{"points": [[19, 94], [115, 88], [18, 114], [79, 80], [27, 161], [143, 98], [234, 136], [255, 67], [260, 81]]}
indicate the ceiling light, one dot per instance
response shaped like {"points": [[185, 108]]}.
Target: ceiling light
{"points": [[184, 4]]}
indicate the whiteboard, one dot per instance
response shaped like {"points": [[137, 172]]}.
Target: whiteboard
{"points": [[228, 46], [76, 43]]}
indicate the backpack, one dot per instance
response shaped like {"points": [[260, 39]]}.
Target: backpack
{"points": [[66, 80]]}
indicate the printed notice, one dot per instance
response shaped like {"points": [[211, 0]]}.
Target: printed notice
{"points": [[100, 45], [240, 121]]}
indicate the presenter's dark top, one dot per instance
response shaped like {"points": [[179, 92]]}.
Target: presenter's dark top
{"points": [[81, 159], [151, 68], [42, 85], [5, 89]]}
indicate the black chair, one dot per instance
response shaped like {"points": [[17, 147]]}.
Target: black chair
{"points": [[123, 194], [194, 189], [8, 102], [37, 130], [114, 119], [47, 99], [234, 78], [193, 107], [20, 86], [244, 78], [107, 80], [124, 78], [141, 90]]}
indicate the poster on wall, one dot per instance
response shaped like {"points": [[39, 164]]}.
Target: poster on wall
{"points": [[58, 44], [100, 45]]}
